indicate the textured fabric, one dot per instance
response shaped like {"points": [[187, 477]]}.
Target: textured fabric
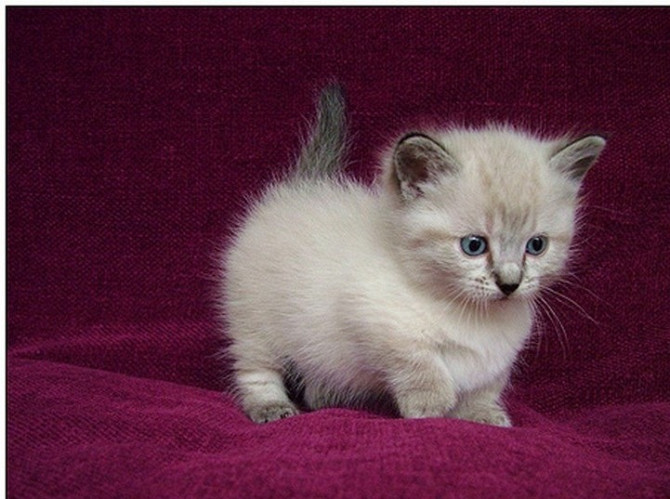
{"points": [[134, 138]]}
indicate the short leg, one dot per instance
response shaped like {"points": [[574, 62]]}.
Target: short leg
{"points": [[423, 388], [263, 395], [483, 406]]}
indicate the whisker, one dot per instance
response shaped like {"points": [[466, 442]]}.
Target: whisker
{"points": [[569, 301], [572, 279], [606, 210], [538, 329], [555, 320]]}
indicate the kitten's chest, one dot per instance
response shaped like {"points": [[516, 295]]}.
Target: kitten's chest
{"points": [[385, 321], [478, 351]]}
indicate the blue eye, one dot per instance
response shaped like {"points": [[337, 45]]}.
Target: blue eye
{"points": [[536, 245], [473, 245]]}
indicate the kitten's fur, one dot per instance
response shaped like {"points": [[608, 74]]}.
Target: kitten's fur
{"points": [[367, 291]]}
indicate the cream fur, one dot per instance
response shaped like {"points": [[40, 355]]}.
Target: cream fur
{"points": [[368, 293]]}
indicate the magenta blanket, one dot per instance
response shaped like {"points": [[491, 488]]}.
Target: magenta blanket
{"points": [[134, 136]]}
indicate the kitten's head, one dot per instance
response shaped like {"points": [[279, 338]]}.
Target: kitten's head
{"points": [[486, 215]]}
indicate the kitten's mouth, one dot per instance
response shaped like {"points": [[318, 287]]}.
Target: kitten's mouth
{"points": [[504, 298]]}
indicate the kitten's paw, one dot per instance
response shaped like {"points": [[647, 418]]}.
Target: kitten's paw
{"points": [[495, 416], [425, 404], [271, 412]]}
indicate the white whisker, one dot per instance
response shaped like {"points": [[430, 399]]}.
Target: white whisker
{"points": [[569, 301], [556, 321]]}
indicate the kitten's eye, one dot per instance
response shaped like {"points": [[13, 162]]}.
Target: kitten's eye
{"points": [[536, 245], [473, 245]]}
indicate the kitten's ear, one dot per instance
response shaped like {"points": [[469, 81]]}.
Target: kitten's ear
{"points": [[575, 159], [417, 159]]}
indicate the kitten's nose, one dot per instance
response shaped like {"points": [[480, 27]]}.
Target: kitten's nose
{"points": [[508, 277], [508, 288]]}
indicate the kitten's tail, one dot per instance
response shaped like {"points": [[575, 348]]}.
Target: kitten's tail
{"points": [[322, 156]]}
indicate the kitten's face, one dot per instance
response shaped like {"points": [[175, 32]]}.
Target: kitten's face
{"points": [[492, 218], [477, 247]]}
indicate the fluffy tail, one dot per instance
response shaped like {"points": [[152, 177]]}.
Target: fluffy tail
{"points": [[322, 156]]}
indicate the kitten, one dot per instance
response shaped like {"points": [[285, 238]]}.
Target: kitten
{"points": [[419, 288]]}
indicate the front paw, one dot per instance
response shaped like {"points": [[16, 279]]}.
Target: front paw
{"points": [[425, 404], [491, 415], [271, 412]]}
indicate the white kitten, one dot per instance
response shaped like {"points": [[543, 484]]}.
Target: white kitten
{"points": [[419, 288]]}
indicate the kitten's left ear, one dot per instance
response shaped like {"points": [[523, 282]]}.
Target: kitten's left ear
{"points": [[575, 159]]}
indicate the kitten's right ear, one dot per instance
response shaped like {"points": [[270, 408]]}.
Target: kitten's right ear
{"points": [[417, 160]]}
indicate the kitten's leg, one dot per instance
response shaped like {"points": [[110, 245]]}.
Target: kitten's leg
{"points": [[263, 394], [423, 387], [260, 384], [484, 406]]}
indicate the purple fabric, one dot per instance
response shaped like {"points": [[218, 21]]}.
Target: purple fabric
{"points": [[134, 136]]}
